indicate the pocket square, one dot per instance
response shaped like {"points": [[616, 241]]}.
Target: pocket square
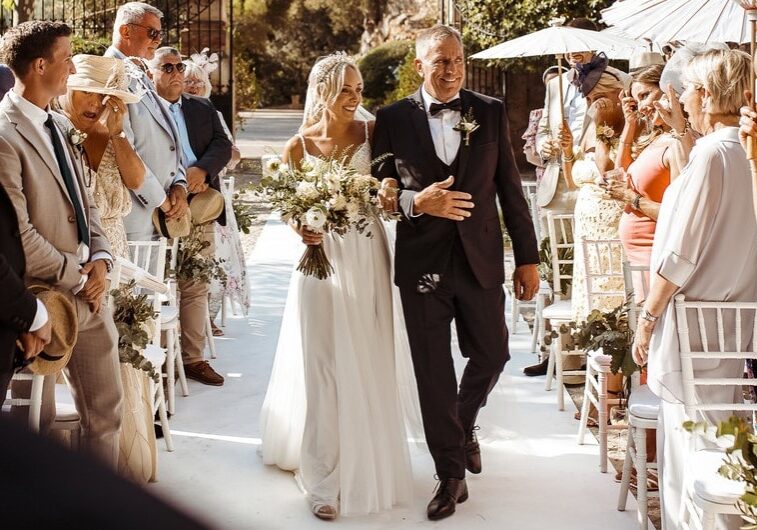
{"points": [[428, 283]]}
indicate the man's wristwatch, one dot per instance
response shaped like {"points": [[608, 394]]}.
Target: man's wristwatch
{"points": [[635, 203], [649, 317]]}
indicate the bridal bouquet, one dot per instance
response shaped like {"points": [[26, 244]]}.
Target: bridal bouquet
{"points": [[326, 197]]}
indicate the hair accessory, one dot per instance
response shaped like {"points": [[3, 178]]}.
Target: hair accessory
{"points": [[585, 76], [209, 63]]}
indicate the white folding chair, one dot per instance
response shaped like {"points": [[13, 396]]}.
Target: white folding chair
{"points": [[151, 256], [34, 401], [227, 188], [732, 333], [560, 312], [603, 267], [643, 409]]}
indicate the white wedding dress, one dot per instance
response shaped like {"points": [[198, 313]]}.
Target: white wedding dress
{"points": [[342, 391]]}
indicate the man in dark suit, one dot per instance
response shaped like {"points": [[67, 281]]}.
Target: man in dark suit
{"points": [[449, 152], [22, 316], [206, 150]]}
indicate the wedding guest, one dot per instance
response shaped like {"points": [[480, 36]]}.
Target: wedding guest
{"points": [[59, 225], [228, 244], [532, 130], [6, 79], [22, 316], [705, 226], [644, 153], [149, 127], [206, 150], [100, 87], [595, 216]]}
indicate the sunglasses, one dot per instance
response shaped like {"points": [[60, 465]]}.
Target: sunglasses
{"points": [[168, 67], [154, 34]]}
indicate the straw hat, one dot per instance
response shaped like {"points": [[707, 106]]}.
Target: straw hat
{"points": [[171, 228], [206, 207], [642, 59], [102, 75], [65, 329]]}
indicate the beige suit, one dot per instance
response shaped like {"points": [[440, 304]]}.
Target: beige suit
{"points": [[47, 224]]}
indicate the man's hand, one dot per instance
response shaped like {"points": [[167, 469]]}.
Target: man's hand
{"points": [[31, 344], [438, 201], [388, 195], [94, 288], [642, 339], [176, 205], [550, 149], [525, 282], [196, 179]]}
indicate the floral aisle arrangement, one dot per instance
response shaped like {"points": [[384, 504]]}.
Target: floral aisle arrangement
{"points": [[325, 197], [135, 321], [242, 212], [192, 263]]}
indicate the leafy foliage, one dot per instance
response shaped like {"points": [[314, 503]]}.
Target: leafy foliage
{"points": [[242, 212], [192, 263], [133, 316], [408, 79], [546, 272], [95, 46], [380, 68]]}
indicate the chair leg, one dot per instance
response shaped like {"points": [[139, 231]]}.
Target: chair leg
{"points": [[640, 443], [182, 375], [513, 314], [170, 368], [708, 520], [164, 417], [210, 339], [585, 406], [223, 312], [602, 420], [560, 378], [554, 351], [628, 463]]}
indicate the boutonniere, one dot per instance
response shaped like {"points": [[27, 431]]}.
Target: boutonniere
{"points": [[467, 126], [76, 137]]}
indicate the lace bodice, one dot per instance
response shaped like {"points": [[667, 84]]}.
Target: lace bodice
{"points": [[361, 158]]}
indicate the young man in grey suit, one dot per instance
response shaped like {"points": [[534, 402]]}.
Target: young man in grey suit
{"points": [[59, 226], [137, 33]]}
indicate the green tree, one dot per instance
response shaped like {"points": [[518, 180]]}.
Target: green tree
{"points": [[380, 68]]}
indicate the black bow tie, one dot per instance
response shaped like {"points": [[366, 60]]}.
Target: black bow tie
{"points": [[436, 108]]}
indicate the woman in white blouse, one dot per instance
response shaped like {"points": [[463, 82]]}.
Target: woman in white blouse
{"points": [[705, 248]]}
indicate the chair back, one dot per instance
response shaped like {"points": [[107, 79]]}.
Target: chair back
{"points": [[227, 186], [630, 273], [715, 331], [535, 213], [150, 256], [603, 268], [34, 401], [560, 226]]}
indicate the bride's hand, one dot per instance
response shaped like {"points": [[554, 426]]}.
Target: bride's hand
{"points": [[309, 237], [388, 195]]}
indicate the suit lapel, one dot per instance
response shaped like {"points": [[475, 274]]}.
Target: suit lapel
{"points": [[419, 118], [464, 153], [76, 162]]}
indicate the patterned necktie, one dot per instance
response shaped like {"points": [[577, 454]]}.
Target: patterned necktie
{"points": [[68, 179]]}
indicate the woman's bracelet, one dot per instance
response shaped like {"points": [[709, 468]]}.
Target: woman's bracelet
{"points": [[678, 136], [568, 159], [636, 202]]}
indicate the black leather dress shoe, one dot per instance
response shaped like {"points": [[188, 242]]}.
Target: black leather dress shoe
{"points": [[537, 369], [472, 453], [449, 493]]}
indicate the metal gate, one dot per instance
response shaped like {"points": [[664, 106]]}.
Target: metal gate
{"points": [[189, 25]]}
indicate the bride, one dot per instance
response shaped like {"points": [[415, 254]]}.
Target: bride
{"points": [[340, 338]]}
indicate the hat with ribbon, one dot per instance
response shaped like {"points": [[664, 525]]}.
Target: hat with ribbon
{"points": [[206, 206], [171, 228], [102, 75], [64, 330], [585, 76]]}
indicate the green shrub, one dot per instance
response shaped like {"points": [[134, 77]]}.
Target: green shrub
{"points": [[95, 46], [408, 79], [380, 68]]}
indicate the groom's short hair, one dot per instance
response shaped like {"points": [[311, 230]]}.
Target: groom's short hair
{"points": [[431, 36], [30, 41]]}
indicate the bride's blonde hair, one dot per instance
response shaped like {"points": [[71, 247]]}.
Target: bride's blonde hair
{"points": [[325, 83]]}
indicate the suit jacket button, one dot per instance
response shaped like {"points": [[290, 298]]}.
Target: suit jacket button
{"points": [[173, 174], [173, 148], [71, 219]]}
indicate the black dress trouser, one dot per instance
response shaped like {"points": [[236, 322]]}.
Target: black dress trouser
{"points": [[479, 315]]}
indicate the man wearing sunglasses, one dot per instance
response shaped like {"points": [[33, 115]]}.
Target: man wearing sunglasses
{"points": [[206, 150], [137, 33]]}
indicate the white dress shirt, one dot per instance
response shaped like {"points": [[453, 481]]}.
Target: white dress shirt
{"points": [[446, 138], [38, 117]]}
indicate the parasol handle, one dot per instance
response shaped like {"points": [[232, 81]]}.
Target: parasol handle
{"points": [[562, 92], [751, 142]]}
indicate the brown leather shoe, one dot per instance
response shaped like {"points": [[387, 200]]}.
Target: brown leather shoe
{"points": [[472, 453], [203, 373], [449, 492]]}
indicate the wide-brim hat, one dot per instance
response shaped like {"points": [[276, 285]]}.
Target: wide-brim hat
{"points": [[171, 228], [102, 75], [643, 59], [206, 206], [64, 331]]}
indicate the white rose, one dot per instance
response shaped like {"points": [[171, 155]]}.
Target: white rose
{"points": [[315, 218], [306, 190]]}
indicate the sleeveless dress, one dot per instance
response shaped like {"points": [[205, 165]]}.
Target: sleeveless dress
{"points": [[340, 335]]}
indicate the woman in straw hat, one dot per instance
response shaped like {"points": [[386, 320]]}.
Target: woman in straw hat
{"points": [[95, 103]]}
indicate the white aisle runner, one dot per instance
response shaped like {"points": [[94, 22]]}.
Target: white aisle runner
{"points": [[535, 476]]}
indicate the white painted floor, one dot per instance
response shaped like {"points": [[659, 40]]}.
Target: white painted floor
{"points": [[535, 476]]}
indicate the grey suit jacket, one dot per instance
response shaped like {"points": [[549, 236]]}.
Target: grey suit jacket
{"points": [[152, 131], [46, 219]]}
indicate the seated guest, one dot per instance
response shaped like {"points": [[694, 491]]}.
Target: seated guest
{"points": [[644, 153], [705, 247], [63, 241], [206, 150], [137, 32], [227, 241], [22, 316], [100, 86]]}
